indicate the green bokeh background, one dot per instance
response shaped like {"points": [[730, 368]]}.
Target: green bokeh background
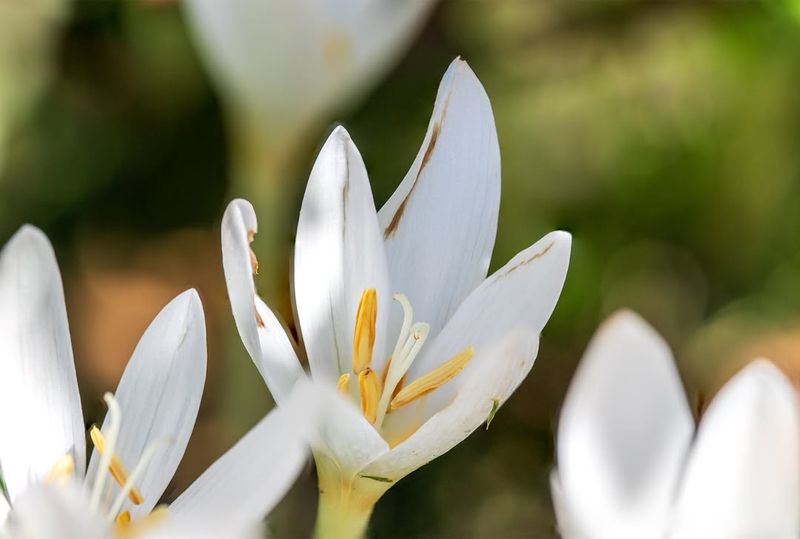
{"points": [[664, 136]]}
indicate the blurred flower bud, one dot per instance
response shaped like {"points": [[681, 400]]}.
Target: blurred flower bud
{"points": [[289, 62]]}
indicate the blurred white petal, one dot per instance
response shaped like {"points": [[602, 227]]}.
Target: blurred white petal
{"points": [[624, 431], [47, 511], [743, 475], [41, 417], [338, 254], [261, 332], [440, 224], [247, 481], [159, 395]]}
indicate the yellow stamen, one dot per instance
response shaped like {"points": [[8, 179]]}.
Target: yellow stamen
{"points": [[370, 389], [343, 385], [364, 334], [123, 519], [62, 469], [433, 380], [115, 468]]}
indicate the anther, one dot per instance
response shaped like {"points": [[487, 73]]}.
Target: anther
{"points": [[343, 384], [115, 466], [432, 380], [62, 469], [364, 333], [128, 487], [369, 388], [114, 418]]}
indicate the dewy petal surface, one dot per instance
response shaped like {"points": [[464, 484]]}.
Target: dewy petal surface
{"points": [[159, 396], [743, 476], [261, 332], [247, 481], [440, 224], [338, 254], [624, 431], [40, 411], [501, 320]]}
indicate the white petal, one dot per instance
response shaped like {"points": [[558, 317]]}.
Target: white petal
{"points": [[48, 511], [41, 413], [567, 528], [247, 481], [4, 509], [440, 224], [206, 526], [159, 395], [261, 332], [501, 320], [743, 476], [623, 434], [342, 434], [339, 253], [481, 389]]}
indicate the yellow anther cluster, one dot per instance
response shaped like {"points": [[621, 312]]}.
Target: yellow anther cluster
{"points": [[115, 467], [371, 387]]}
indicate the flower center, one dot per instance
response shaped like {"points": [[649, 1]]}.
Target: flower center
{"points": [[111, 464], [382, 396]]}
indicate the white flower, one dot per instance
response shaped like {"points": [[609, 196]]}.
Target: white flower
{"points": [[288, 62], [145, 432], [419, 374], [630, 464]]}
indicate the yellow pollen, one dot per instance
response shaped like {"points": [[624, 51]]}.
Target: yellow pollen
{"points": [[433, 380], [62, 469], [369, 387], [343, 385], [115, 468], [364, 333]]}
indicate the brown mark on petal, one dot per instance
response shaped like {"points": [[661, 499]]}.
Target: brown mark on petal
{"points": [[530, 259], [253, 262], [398, 215], [260, 321]]}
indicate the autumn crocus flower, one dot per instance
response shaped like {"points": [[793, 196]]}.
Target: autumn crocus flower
{"points": [[408, 342], [631, 464], [50, 492]]}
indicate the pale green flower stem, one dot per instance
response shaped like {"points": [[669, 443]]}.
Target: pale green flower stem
{"points": [[265, 169], [345, 502]]}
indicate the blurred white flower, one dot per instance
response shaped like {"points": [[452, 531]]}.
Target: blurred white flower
{"points": [[630, 464], [417, 376], [144, 435], [289, 62]]}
